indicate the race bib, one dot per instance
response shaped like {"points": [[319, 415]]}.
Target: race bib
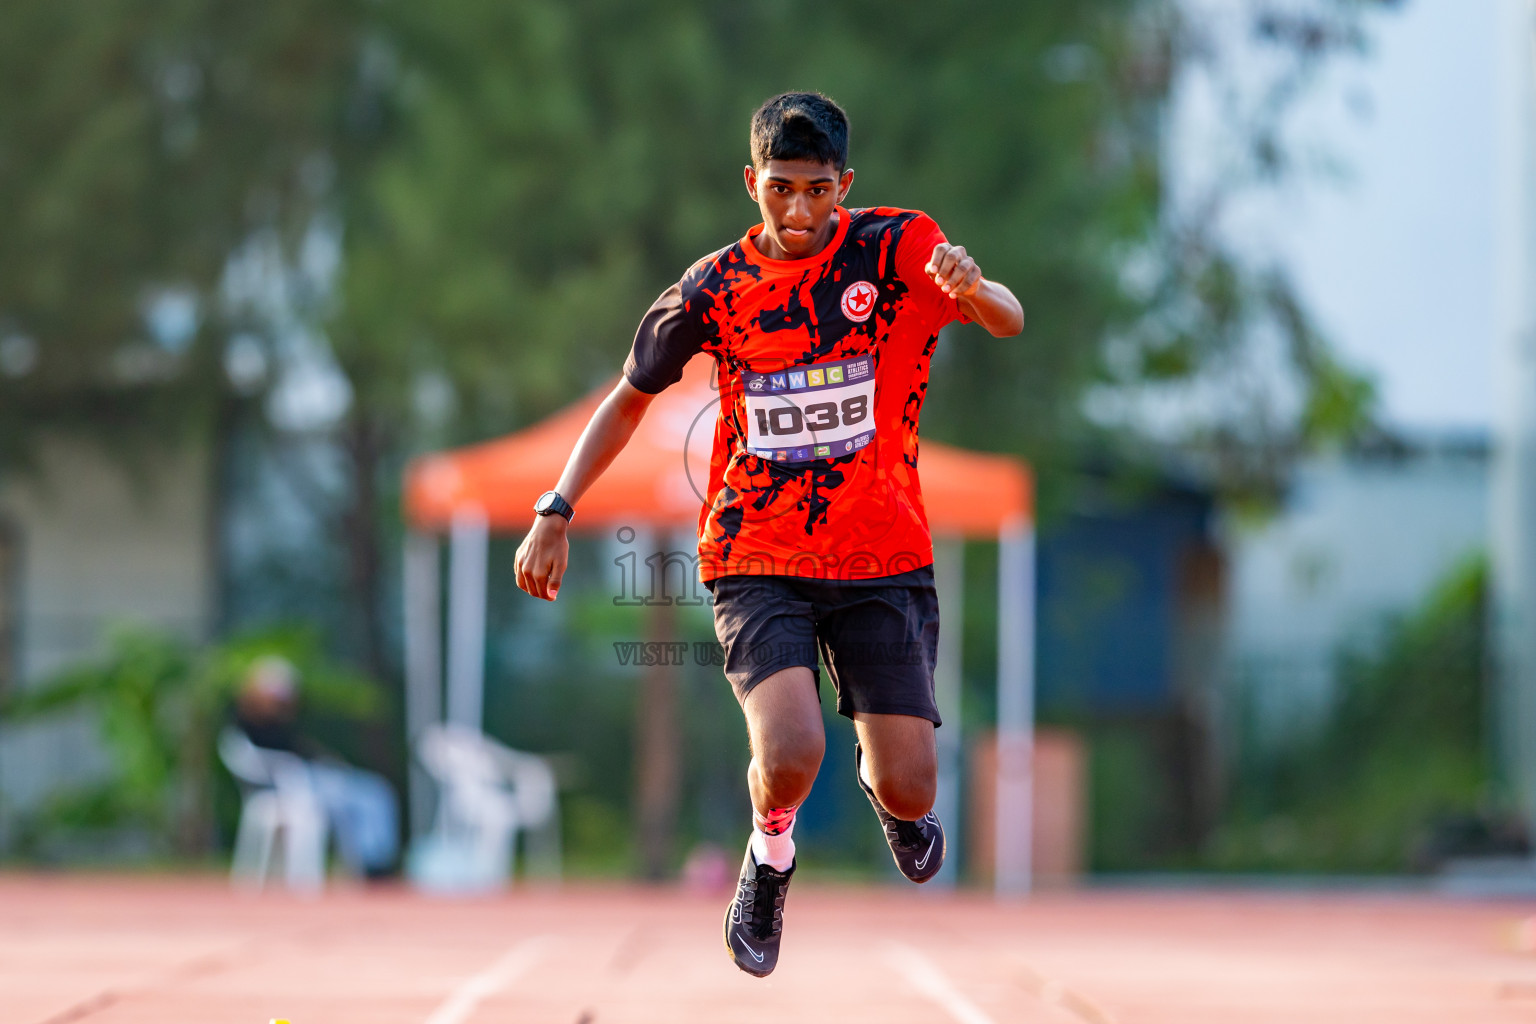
{"points": [[821, 411]]}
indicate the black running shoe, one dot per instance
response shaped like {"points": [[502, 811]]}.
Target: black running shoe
{"points": [[755, 917], [917, 846]]}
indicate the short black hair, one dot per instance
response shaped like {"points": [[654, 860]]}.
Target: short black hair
{"points": [[800, 126]]}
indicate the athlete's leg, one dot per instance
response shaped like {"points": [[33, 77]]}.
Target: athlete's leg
{"points": [[784, 728], [879, 641], [900, 761], [767, 631]]}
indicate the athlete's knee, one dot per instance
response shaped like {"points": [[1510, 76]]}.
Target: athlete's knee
{"points": [[906, 791], [787, 765], [787, 782]]}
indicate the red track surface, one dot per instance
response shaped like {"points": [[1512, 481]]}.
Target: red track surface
{"points": [[115, 951]]}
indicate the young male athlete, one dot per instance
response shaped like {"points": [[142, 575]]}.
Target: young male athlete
{"points": [[822, 322]]}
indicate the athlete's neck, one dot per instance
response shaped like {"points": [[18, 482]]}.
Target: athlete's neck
{"points": [[770, 247]]}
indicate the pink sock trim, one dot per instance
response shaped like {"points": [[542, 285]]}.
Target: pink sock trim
{"points": [[775, 821]]}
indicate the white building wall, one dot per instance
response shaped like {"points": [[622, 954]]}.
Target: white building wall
{"points": [[98, 548], [1357, 542]]}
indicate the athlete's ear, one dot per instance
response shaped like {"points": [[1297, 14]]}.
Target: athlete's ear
{"points": [[844, 184], [751, 177]]}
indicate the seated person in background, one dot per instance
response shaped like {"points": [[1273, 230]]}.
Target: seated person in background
{"points": [[360, 805]]}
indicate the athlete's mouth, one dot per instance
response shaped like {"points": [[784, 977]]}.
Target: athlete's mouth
{"points": [[795, 233]]}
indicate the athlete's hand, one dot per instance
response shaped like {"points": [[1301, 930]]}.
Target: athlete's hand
{"points": [[542, 557], [953, 271]]}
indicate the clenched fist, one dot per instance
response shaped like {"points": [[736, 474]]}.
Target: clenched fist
{"points": [[542, 557], [953, 271]]}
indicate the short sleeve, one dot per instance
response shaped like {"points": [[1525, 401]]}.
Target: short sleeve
{"points": [[668, 337], [917, 241]]}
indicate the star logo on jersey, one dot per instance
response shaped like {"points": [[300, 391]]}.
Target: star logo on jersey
{"points": [[859, 301]]}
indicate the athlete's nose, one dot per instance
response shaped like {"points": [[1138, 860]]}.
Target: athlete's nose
{"points": [[798, 216]]}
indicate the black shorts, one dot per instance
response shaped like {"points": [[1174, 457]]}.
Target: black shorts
{"points": [[877, 637]]}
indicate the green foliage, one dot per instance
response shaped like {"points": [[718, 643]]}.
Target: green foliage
{"points": [[1405, 747], [1425, 688], [513, 182], [141, 695], [140, 144], [159, 703], [1339, 401], [552, 177], [1126, 800]]}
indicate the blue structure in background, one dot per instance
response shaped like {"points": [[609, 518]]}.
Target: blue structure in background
{"points": [[1118, 585]]}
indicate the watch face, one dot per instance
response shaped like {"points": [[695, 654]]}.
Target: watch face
{"points": [[545, 503]]}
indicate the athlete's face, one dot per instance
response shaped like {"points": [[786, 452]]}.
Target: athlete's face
{"points": [[797, 198]]}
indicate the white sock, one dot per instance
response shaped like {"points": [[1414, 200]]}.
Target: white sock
{"points": [[864, 770], [778, 852]]}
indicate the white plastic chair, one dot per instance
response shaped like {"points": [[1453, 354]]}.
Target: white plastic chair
{"points": [[278, 799], [487, 792]]}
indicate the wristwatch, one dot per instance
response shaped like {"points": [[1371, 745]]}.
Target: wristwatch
{"points": [[550, 503]]}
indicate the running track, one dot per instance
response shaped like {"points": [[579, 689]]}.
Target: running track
{"points": [[163, 951]]}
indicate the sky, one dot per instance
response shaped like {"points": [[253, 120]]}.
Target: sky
{"points": [[1390, 229]]}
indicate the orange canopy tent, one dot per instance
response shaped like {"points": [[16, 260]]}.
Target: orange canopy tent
{"points": [[658, 482]]}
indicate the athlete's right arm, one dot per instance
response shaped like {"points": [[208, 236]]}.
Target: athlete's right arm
{"points": [[542, 557]]}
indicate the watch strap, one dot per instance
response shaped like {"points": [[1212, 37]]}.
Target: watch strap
{"points": [[550, 503]]}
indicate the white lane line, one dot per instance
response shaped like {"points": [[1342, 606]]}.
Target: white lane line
{"points": [[1053, 993], [474, 990], [924, 975]]}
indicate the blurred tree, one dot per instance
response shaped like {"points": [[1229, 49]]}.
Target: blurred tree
{"points": [[140, 144], [166, 169]]}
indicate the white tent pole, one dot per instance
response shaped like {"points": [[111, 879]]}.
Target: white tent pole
{"points": [[949, 578], [469, 541], [1015, 706], [422, 588]]}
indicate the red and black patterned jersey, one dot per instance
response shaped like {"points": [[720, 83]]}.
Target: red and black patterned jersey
{"points": [[822, 365]]}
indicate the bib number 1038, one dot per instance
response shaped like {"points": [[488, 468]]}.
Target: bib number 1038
{"points": [[822, 411], [792, 420]]}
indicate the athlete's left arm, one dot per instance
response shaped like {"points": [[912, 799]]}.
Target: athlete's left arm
{"points": [[988, 303]]}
